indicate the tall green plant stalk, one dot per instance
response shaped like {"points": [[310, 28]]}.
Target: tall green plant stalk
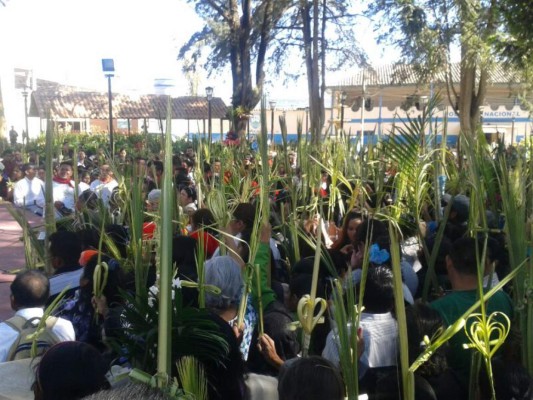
{"points": [[399, 308], [515, 189], [347, 323], [200, 270], [136, 214], [307, 304], [49, 209], [34, 251], [165, 265], [192, 377]]}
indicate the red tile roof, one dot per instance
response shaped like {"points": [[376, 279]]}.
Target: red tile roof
{"points": [[50, 101]]}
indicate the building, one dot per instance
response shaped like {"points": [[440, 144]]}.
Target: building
{"points": [[76, 110], [374, 99]]}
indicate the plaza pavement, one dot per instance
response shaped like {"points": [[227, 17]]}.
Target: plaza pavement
{"points": [[11, 254]]}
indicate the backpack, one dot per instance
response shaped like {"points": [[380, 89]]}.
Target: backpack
{"points": [[21, 348]]}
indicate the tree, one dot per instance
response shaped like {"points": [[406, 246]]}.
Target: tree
{"points": [[325, 31], [426, 31], [516, 41], [239, 33], [285, 30]]}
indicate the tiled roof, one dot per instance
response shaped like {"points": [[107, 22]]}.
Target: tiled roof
{"points": [[406, 75], [64, 102]]}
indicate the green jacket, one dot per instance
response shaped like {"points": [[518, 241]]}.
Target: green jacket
{"points": [[262, 258]]}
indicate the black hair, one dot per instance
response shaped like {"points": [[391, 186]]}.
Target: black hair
{"points": [[26, 167], [204, 218], [310, 378], [30, 289], [371, 227], [511, 381], [119, 235], [66, 246], [190, 192], [300, 285], [115, 279], [464, 257], [89, 238], [89, 199], [157, 165], [422, 320], [339, 261], [66, 162], [443, 251], [70, 371], [379, 294], [245, 212]]}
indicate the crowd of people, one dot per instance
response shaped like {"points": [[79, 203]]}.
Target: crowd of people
{"points": [[76, 351]]}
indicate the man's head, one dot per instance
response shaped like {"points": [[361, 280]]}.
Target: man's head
{"points": [[310, 378], [106, 173], [463, 259], [65, 170], [155, 169], [140, 166], [29, 171], [379, 292], [29, 289], [217, 166], [243, 218], [292, 157], [65, 249], [41, 173], [152, 200]]}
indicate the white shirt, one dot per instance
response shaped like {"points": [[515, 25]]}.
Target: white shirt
{"points": [[82, 187], [104, 190], [380, 334], [64, 193], [63, 329], [29, 192]]}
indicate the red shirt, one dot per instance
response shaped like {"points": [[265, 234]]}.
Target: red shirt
{"points": [[210, 243]]}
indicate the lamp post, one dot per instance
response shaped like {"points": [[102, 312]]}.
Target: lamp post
{"points": [[108, 67], [343, 100], [24, 81], [209, 96], [272, 109], [25, 134]]}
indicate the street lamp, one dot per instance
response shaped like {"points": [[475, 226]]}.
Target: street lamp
{"points": [[108, 67], [343, 100], [209, 95], [272, 108], [24, 81]]}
